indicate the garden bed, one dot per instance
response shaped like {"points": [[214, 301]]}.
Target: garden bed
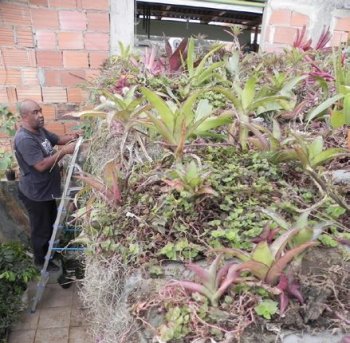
{"points": [[210, 211]]}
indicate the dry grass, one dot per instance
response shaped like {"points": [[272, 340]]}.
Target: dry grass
{"points": [[105, 294]]}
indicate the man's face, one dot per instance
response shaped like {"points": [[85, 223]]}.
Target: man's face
{"points": [[34, 116]]}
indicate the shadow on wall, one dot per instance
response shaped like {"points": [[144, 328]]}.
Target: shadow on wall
{"points": [[14, 224]]}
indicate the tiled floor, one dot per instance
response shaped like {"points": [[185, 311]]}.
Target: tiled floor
{"points": [[60, 317]]}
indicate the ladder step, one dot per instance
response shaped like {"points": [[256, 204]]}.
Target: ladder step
{"points": [[68, 249]]}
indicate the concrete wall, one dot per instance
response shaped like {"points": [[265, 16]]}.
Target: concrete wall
{"points": [[282, 19], [122, 24]]}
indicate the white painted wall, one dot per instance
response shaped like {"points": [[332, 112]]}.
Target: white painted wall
{"points": [[122, 24]]}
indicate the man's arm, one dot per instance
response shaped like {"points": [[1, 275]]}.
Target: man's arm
{"points": [[49, 161]]}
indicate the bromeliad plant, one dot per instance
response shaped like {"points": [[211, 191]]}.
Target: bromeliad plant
{"points": [[214, 282], [310, 156], [176, 123], [268, 261], [247, 101], [173, 62], [108, 187], [339, 104], [190, 178], [199, 71]]}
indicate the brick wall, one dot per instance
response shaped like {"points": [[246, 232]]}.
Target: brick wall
{"points": [[281, 25], [48, 47]]}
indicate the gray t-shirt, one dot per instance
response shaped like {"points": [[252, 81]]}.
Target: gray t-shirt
{"points": [[31, 148]]}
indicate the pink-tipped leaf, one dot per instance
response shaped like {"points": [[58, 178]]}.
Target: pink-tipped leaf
{"points": [[278, 267]]}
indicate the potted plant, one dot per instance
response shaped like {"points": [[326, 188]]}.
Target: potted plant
{"points": [[16, 270]]}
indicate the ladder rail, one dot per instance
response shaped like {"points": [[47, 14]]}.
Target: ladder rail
{"points": [[44, 273]]}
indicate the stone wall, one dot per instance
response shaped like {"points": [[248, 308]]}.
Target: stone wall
{"points": [[14, 224], [48, 47], [282, 19]]}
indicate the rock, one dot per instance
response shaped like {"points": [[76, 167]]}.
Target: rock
{"points": [[323, 337], [341, 176]]}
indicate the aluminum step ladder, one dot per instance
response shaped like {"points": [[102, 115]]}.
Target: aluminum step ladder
{"points": [[66, 196]]}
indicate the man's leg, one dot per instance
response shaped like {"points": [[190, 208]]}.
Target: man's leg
{"points": [[42, 215]]}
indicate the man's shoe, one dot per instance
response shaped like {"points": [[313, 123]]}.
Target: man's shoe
{"points": [[51, 267]]}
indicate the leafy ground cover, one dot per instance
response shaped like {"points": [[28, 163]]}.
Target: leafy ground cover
{"points": [[222, 164], [16, 271]]}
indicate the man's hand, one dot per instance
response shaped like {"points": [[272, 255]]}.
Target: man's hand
{"points": [[49, 162], [68, 148], [62, 140]]}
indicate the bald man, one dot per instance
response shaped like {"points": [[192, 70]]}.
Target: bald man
{"points": [[40, 182]]}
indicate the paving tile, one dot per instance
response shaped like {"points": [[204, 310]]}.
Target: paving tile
{"points": [[55, 317], [59, 335], [27, 321], [80, 335], [22, 336], [78, 317], [56, 296]]}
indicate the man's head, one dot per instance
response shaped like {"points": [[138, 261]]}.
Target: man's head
{"points": [[31, 113]]}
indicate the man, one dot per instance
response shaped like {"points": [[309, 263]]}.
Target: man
{"points": [[40, 181]]}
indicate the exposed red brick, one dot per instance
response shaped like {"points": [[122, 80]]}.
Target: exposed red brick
{"points": [[96, 41], [285, 35], [92, 74], [3, 95], [11, 95], [72, 20], [46, 39], [49, 58], [75, 59], [98, 21], [71, 126], [54, 94], [24, 37], [63, 3], [29, 92], [56, 127], [10, 76], [14, 14], [339, 37], [18, 58], [63, 110], [52, 78], [343, 24], [95, 5], [6, 37], [3, 136], [49, 112], [299, 19], [280, 17], [29, 77], [72, 78], [44, 18], [70, 40], [31, 57], [96, 58], [76, 95], [43, 3]]}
